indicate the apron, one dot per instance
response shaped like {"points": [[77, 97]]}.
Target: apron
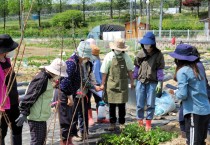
{"points": [[116, 87]]}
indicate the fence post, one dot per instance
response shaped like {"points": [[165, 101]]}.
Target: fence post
{"points": [[170, 34], [188, 34], [207, 34]]}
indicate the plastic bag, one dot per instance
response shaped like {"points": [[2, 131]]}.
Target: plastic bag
{"points": [[102, 110], [164, 104]]}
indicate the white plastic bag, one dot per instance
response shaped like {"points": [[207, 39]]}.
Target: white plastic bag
{"points": [[164, 104]]}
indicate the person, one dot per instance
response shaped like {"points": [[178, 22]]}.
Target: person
{"points": [[9, 107], [116, 68], [79, 69], [201, 67], [151, 64], [192, 91], [35, 105], [98, 77]]}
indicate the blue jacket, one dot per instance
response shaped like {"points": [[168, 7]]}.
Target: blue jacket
{"points": [[192, 92]]}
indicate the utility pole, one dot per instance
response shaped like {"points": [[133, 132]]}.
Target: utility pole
{"points": [[131, 17], [161, 18]]}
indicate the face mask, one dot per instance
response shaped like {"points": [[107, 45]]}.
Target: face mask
{"points": [[147, 46], [10, 54], [117, 52]]}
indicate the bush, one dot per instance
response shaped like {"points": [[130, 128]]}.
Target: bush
{"points": [[135, 135], [65, 19]]}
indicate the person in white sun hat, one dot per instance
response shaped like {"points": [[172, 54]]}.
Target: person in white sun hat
{"points": [[116, 69], [35, 106]]}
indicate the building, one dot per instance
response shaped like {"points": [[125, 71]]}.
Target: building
{"points": [[135, 33]]}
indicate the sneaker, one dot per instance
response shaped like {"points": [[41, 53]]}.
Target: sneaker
{"points": [[77, 138], [122, 126], [112, 127]]}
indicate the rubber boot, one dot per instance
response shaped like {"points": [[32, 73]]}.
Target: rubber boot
{"points": [[148, 125], [67, 143], [70, 141], [141, 123], [17, 139], [90, 117]]}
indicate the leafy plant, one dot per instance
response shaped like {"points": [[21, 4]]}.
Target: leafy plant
{"points": [[135, 135]]}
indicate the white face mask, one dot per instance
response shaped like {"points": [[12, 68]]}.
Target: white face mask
{"points": [[117, 52], [10, 54], [147, 46]]}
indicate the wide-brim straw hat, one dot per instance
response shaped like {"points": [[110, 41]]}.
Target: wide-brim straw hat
{"points": [[57, 67], [119, 44]]}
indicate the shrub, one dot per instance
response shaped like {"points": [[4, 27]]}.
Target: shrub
{"points": [[135, 135], [65, 18]]}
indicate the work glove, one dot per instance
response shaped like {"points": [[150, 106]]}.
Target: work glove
{"points": [[70, 101], [21, 119], [159, 87]]}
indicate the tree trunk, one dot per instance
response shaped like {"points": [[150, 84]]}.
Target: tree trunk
{"points": [[180, 6], [39, 15], [198, 10], [4, 18], [83, 9], [111, 10], [60, 6], [19, 18], [141, 6]]}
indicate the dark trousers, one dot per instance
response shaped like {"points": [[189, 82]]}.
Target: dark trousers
{"points": [[181, 118], [121, 113], [79, 116], [38, 131], [196, 128], [12, 114], [65, 116], [97, 99]]}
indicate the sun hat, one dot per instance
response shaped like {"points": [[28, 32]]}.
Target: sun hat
{"points": [[184, 52], [95, 50], [118, 44], [7, 44], [91, 41], [84, 50], [57, 67], [148, 39]]}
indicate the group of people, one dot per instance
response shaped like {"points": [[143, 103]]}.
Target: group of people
{"points": [[71, 86]]}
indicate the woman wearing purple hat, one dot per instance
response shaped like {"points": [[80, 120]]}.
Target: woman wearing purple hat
{"points": [[151, 63], [192, 91]]}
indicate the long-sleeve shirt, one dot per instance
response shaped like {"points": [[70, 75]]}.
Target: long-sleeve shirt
{"points": [[192, 92], [96, 69], [36, 87], [69, 85]]}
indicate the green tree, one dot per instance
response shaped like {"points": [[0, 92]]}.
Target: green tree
{"points": [[38, 6], [84, 3], [4, 11], [14, 9], [120, 5]]}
